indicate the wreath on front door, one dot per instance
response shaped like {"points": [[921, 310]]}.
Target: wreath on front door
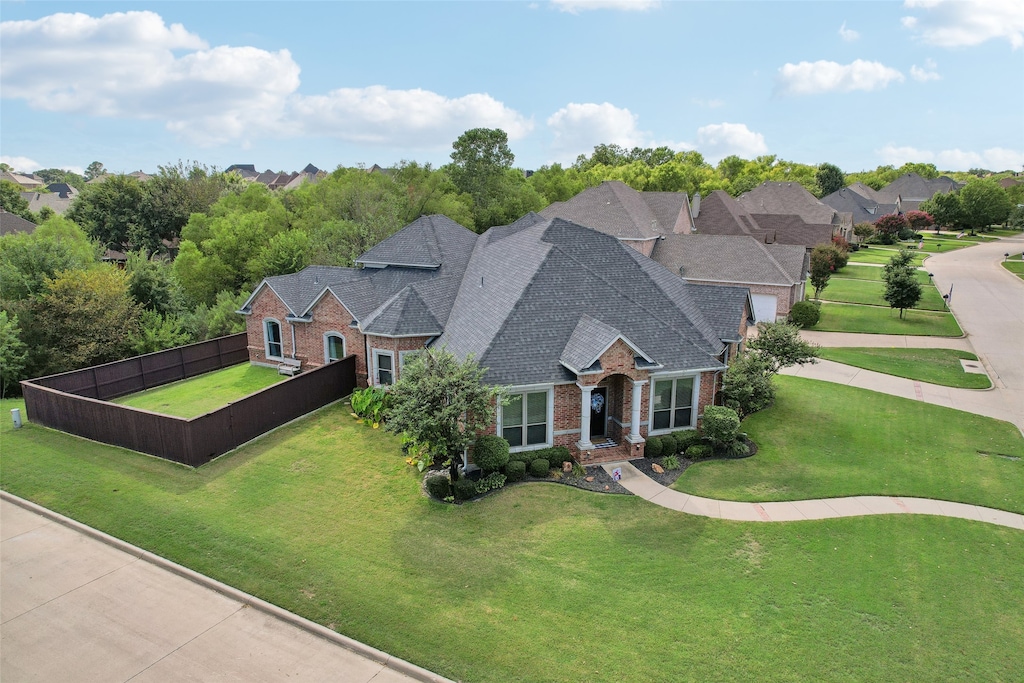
{"points": [[596, 402]]}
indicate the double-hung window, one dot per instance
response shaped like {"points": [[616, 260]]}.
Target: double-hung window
{"points": [[672, 403], [524, 419], [384, 368], [272, 335]]}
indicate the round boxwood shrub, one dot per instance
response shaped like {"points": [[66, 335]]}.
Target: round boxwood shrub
{"points": [[556, 456], [653, 447], [804, 313], [685, 439], [698, 451], [539, 468], [721, 425], [490, 453], [668, 444], [438, 486], [515, 470], [525, 457], [465, 488]]}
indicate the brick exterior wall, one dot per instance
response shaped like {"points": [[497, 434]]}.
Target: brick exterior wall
{"points": [[266, 305], [395, 345]]}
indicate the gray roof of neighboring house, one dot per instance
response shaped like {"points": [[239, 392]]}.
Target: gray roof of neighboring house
{"points": [[22, 180], [910, 187], [37, 200], [615, 209], [63, 190], [787, 198], [720, 214], [865, 191], [672, 209], [864, 209], [11, 223], [792, 229], [731, 258]]}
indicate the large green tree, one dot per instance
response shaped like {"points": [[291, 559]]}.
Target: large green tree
{"points": [[481, 167], [11, 201], [111, 212], [12, 354], [947, 211], [28, 259], [442, 404], [829, 178], [984, 204]]}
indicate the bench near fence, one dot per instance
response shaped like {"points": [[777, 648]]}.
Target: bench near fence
{"points": [[73, 402]]}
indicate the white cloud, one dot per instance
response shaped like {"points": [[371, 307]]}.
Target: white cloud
{"points": [[133, 65], [577, 6], [710, 104], [21, 164], [719, 140], [848, 34], [579, 127], [415, 118], [962, 24], [928, 73], [994, 158], [809, 78]]}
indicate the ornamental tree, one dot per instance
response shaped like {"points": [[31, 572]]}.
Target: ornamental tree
{"points": [[441, 403], [902, 290], [780, 345], [891, 224], [919, 220], [821, 269]]}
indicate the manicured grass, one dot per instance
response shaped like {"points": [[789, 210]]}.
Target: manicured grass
{"points": [[878, 254], [823, 440], [541, 582], [870, 292], [878, 320], [936, 366], [199, 395], [1015, 265], [1003, 232], [872, 273]]}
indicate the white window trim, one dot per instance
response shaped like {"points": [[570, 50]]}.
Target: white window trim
{"points": [[695, 397], [375, 354], [531, 389], [266, 339], [344, 345], [403, 356]]}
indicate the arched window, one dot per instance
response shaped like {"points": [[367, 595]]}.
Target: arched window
{"points": [[334, 347], [272, 339]]}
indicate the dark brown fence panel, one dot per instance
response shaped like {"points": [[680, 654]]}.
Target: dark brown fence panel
{"points": [[151, 370], [192, 442]]}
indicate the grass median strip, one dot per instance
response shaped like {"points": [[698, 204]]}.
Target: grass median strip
{"points": [[936, 366], [869, 292], [872, 273], [323, 518], [837, 317], [201, 394], [881, 255]]}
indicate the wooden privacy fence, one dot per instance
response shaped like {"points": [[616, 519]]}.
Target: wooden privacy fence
{"points": [[197, 440]]}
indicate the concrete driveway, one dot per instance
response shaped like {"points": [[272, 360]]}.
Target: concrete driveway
{"points": [[74, 608]]}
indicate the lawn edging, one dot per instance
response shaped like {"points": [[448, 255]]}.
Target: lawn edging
{"points": [[371, 653]]}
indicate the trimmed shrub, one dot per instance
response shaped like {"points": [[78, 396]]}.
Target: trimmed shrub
{"points": [[438, 486], [721, 425], [804, 314], [515, 470], [490, 453], [539, 468], [465, 488], [555, 455], [494, 480], [525, 457], [698, 451], [668, 444], [654, 447], [685, 439]]}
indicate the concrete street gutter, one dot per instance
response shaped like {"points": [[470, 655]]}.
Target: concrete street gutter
{"points": [[371, 653]]}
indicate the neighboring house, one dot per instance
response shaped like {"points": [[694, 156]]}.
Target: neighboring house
{"points": [[596, 345], [636, 218], [864, 209], [11, 223], [910, 190], [59, 202], [720, 214], [140, 175], [25, 181], [775, 274], [793, 199], [246, 171]]}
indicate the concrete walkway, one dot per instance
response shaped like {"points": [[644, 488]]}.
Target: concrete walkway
{"points": [[638, 483], [78, 605], [899, 341]]}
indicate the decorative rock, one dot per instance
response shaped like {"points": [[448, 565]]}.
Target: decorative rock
{"points": [[607, 488], [567, 467], [590, 479], [657, 468]]}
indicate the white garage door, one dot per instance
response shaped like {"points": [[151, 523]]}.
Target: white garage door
{"points": [[764, 307]]}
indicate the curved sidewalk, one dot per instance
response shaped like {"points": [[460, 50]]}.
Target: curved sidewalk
{"points": [[638, 483]]}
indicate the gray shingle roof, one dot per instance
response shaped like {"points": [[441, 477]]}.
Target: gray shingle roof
{"points": [[405, 314], [612, 207], [786, 198], [910, 187], [588, 341], [11, 223], [730, 258], [864, 209], [421, 244], [720, 214]]}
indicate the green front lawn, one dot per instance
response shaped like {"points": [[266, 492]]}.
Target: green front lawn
{"points": [[936, 366], [879, 320], [869, 292], [872, 273], [880, 254], [1015, 265], [203, 393], [541, 582], [824, 440]]}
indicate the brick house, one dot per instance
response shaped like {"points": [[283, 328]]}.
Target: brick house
{"points": [[596, 345]]}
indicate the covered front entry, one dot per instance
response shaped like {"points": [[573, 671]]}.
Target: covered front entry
{"points": [[607, 414]]}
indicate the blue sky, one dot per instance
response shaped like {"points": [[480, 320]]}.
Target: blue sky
{"points": [[283, 84]]}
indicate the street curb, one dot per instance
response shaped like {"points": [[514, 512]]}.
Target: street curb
{"points": [[371, 653]]}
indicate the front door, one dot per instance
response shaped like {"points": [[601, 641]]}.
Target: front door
{"points": [[598, 412]]}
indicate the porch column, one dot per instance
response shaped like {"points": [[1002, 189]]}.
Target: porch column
{"points": [[634, 413], [584, 443]]}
